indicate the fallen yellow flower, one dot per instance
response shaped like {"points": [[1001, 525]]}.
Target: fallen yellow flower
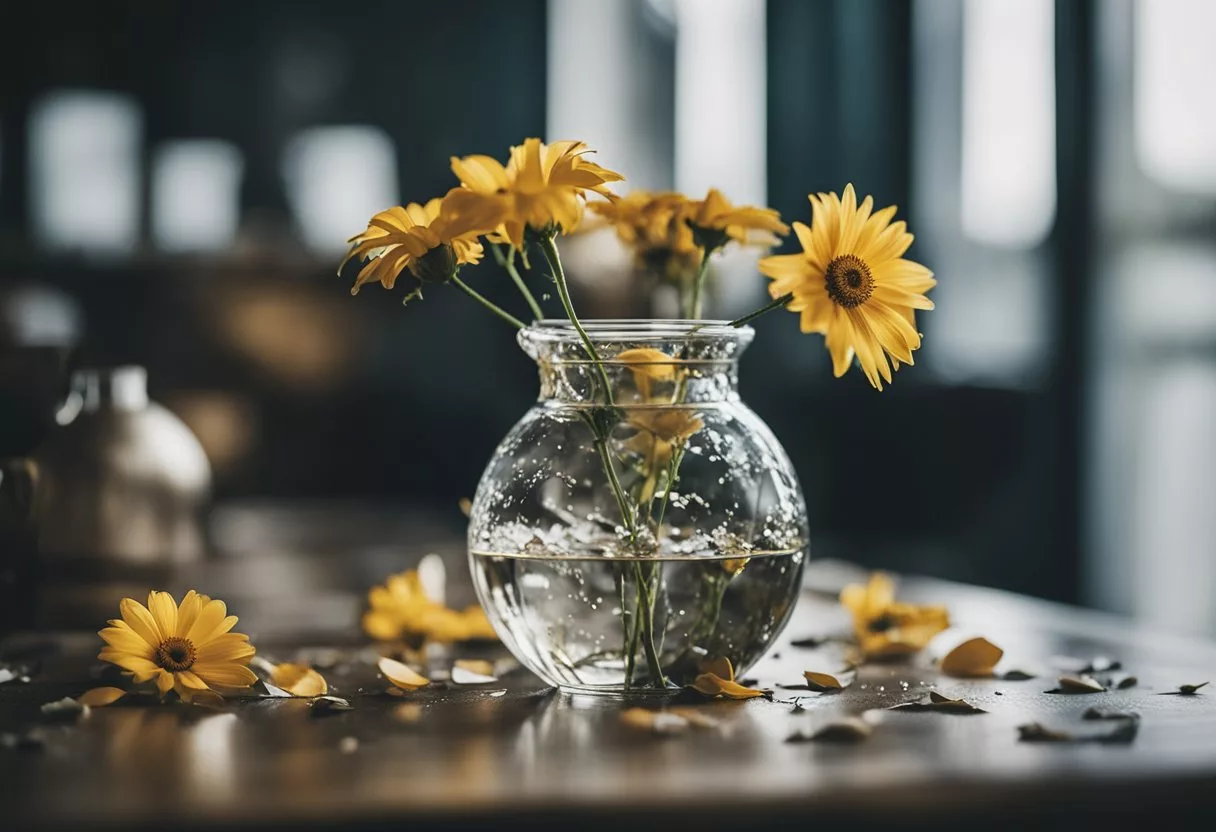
{"points": [[885, 627], [401, 610]]}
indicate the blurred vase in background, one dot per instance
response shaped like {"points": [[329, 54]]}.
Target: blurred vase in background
{"points": [[121, 489]]}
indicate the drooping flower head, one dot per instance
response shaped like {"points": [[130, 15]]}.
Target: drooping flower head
{"points": [[654, 227], [715, 221], [187, 648], [885, 627], [852, 284], [542, 187], [433, 240]]}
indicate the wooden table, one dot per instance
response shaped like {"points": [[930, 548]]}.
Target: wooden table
{"points": [[514, 753]]}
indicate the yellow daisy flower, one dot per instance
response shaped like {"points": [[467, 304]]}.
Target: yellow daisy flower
{"points": [[433, 240], [401, 610], [186, 648], [715, 222], [886, 627], [852, 284], [543, 187]]}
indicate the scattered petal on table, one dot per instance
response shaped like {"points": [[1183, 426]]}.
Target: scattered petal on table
{"points": [[695, 717], [810, 642], [710, 684], [464, 675], [299, 680], [941, 704], [323, 705], [1125, 732], [974, 658], [100, 697], [1185, 690], [1016, 675], [401, 675], [1078, 684], [823, 682]]}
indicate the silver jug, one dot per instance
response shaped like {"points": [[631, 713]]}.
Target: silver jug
{"points": [[120, 492]]}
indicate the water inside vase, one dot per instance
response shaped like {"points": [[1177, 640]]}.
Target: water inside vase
{"points": [[575, 620]]}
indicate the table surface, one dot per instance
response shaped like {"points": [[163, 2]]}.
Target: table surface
{"points": [[514, 751]]}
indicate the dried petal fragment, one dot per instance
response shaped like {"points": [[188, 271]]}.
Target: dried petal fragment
{"points": [[100, 697], [974, 658], [822, 682], [323, 705], [942, 704], [1185, 690], [299, 680], [1016, 675], [811, 642], [710, 684], [401, 675], [1078, 684]]}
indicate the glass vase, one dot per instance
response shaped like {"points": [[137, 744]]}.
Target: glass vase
{"points": [[639, 523]]}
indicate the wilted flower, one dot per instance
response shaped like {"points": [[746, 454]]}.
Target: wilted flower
{"points": [[886, 627], [401, 609]]}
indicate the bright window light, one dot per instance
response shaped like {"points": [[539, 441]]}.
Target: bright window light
{"points": [[1009, 156], [721, 115], [84, 157], [1175, 113], [196, 194], [337, 178]]}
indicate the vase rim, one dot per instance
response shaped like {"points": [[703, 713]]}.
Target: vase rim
{"points": [[641, 329]]}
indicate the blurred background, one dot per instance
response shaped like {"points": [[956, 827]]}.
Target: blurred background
{"points": [[177, 182]]}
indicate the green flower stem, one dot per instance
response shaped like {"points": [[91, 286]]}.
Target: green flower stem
{"points": [[502, 313], [507, 261], [601, 447], [548, 245], [764, 310], [694, 307], [646, 619]]}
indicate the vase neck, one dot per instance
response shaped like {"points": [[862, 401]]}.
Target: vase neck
{"points": [[647, 363]]}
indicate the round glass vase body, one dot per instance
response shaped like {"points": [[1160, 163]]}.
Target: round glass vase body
{"points": [[640, 523]]}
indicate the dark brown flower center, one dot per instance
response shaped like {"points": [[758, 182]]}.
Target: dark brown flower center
{"points": [[176, 654], [848, 281]]}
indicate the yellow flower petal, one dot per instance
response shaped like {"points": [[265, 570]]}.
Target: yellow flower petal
{"points": [[976, 657], [100, 697], [140, 620], [720, 667], [225, 675], [401, 675], [710, 684], [164, 682], [885, 627], [299, 680], [822, 681], [164, 611]]}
